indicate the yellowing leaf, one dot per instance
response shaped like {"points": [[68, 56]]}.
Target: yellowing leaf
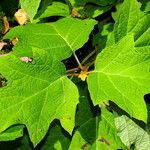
{"points": [[75, 13], [2, 44], [21, 17], [5, 26], [14, 41]]}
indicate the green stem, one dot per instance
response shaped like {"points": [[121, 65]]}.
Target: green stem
{"points": [[87, 57], [80, 65], [73, 69], [69, 5], [74, 74], [90, 64]]}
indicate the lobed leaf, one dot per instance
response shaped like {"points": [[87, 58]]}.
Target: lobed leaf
{"points": [[36, 93], [60, 38], [130, 19], [122, 74]]}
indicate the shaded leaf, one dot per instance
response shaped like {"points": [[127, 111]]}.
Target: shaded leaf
{"points": [[94, 11], [102, 2], [130, 133], [56, 9], [97, 133], [56, 140], [128, 16], [12, 133], [85, 107]]}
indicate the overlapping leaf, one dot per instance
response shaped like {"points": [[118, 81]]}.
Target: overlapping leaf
{"points": [[97, 133], [56, 9], [12, 133], [130, 19], [130, 133], [30, 7], [60, 38], [36, 93], [122, 74], [56, 139], [77, 3]]}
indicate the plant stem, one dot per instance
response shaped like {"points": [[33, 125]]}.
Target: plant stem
{"points": [[73, 69], [80, 65], [74, 74], [69, 5], [90, 64], [87, 57]]}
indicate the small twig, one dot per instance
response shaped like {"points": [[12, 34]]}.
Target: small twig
{"points": [[72, 70], [79, 64], [69, 5], [74, 74], [90, 64], [87, 57]]}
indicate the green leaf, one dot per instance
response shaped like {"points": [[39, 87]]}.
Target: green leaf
{"points": [[36, 93], [132, 20], [24, 144], [12, 133], [84, 109], [94, 11], [142, 35], [141, 31], [102, 2], [147, 7], [56, 140], [130, 133], [97, 133], [122, 75], [30, 7], [128, 16], [56, 9], [78, 3], [60, 38], [100, 39], [148, 119]]}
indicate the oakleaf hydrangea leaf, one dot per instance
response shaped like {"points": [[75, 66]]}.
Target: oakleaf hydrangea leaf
{"points": [[130, 19], [130, 133], [60, 38], [30, 7], [122, 74], [56, 139], [56, 9], [37, 92], [12, 133], [128, 16], [97, 133]]}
